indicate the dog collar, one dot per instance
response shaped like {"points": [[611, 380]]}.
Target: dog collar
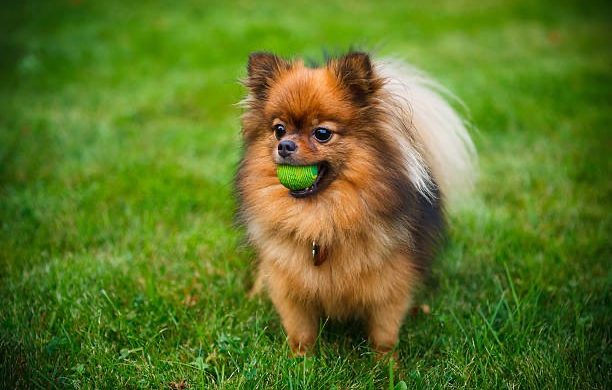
{"points": [[318, 255]]}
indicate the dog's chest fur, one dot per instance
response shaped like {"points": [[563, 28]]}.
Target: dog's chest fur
{"points": [[354, 276]]}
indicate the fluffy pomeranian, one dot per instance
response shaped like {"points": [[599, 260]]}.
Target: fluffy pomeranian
{"points": [[389, 151]]}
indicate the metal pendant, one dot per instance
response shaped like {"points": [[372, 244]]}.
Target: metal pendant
{"points": [[318, 257]]}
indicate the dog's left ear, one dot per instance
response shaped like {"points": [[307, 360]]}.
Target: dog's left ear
{"points": [[263, 69], [355, 72]]}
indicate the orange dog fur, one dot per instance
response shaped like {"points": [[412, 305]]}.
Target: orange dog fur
{"points": [[396, 153]]}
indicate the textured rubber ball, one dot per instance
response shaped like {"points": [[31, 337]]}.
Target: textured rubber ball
{"points": [[297, 177]]}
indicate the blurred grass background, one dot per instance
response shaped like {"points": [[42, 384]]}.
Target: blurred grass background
{"points": [[119, 262]]}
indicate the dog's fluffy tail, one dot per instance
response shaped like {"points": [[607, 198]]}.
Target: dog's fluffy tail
{"points": [[437, 141]]}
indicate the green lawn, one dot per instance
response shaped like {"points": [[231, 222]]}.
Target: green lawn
{"points": [[120, 265]]}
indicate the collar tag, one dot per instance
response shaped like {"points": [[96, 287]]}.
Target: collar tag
{"points": [[318, 256]]}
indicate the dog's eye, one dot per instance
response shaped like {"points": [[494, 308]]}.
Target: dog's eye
{"points": [[279, 131], [322, 134]]}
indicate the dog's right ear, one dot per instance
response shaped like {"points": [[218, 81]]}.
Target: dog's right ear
{"points": [[263, 69], [355, 71]]}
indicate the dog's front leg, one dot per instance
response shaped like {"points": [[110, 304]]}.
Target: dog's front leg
{"points": [[300, 320]]}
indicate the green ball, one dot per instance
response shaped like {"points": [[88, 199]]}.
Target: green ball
{"points": [[297, 177]]}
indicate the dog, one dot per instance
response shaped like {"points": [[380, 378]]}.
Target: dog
{"points": [[390, 152]]}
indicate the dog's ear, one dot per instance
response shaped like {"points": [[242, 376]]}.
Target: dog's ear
{"points": [[263, 69], [356, 73]]}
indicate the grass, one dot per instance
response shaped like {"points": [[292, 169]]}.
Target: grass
{"points": [[120, 265]]}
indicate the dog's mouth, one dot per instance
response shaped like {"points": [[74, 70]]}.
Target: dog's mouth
{"points": [[319, 183]]}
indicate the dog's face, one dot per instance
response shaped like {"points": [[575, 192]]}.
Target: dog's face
{"points": [[304, 116]]}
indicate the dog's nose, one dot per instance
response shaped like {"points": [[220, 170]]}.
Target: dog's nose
{"points": [[286, 147]]}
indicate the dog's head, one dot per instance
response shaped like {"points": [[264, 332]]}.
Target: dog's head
{"points": [[305, 116]]}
